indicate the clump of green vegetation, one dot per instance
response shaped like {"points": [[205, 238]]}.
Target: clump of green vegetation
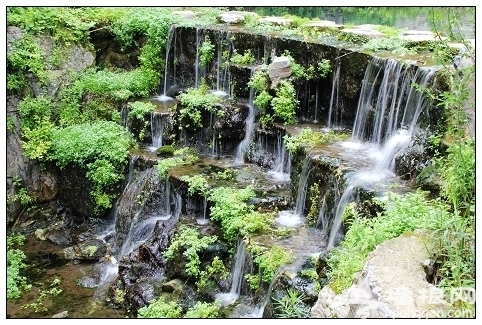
{"points": [[190, 243], [308, 139], [101, 147], [393, 44], [206, 52], [182, 156], [197, 184], [139, 111], [204, 310], [268, 261], [312, 215], [166, 151], [193, 101], [284, 104], [245, 59], [291, 305], [160, 308], [16, 282], [214, 272]]}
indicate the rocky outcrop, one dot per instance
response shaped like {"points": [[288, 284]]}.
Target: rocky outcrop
{"points": [[392, 285]]}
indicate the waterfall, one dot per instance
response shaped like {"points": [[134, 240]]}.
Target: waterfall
{"points": [[196, 63], [237, 276], [125, 117], [157, 128], [222, 74], [316, 102], [303, 186], [249, 126], [168, 47], [258, 312], [346, 198], [132, 165], [282, 165], [322, 221], [335, 89]]}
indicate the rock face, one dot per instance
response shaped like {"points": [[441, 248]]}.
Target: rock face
{"points": [[392, 285], [280, 68]]}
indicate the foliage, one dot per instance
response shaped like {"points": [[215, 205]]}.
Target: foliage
{"points": [[102, 147], [402, 214], [284, 104], [259, 81], [189, 241], [394, 44], [229, 206], [206, 52], [269, 260], [245, 59], [215, 271], [16, 282], [182, 156], [38, 305], [307, 139], [291, 305], [25, 56], [10, 124], [139, 110], [310, 274], [38, 140], [312, 215], [159, 308], [262, 101], [204, 310], [193, 101], [166, 150], [324, 67], [197, 184]]}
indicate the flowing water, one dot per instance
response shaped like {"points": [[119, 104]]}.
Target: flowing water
{"points": [[249, 126]]}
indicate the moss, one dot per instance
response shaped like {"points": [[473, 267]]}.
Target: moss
{"points": [[166, 151]]}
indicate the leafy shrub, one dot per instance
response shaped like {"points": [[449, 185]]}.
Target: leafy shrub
{"points": [[159, 308], [197, 184], [284, 104], [185, 155], [308, 139], [393, 44], [190, 243], [203, 310], [206, 52], [53, 291], [16, 282], [245, 59], [102, 147], [215, 271], [269, 260]]}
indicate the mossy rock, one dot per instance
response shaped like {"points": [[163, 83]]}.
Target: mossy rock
{"points": [[166, 151]]}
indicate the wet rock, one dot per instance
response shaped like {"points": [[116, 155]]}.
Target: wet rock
{"points": [[63, 314], [59, 239], [175, 285], [90, 250], [234, 17], [280, 68], [41, 234]]}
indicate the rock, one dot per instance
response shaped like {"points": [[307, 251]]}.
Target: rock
{"points": [[174, 285], [392, 284], [63, 314], [366, 31], [277, 21], [90, 250], [280, 68], [41, 234], [185, 13], [234, 17]]}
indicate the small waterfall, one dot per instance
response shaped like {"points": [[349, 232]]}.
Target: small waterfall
{"points": [[168, 47], [335, 89], [125, 117], [346, 198], [322, 221], [316, 102], [282, 165], [249, 122], [303, 186], [237, 276], [296, 218], [157, 127], [196, 63], [222, 74], [204, 221], [132, 165], [258, 312]]}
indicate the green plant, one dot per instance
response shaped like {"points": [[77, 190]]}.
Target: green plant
{"points": [[10, 124], [246, 59], [269, 260], [197, 184], [102, 147], [206, 52], [393, 44], [215, 271], [291, 305], [166, 150], [312, 215], [190, 243], [16, 282], [193, 102], [310, 274], [284, 104], [324, 68], [38, 305], [203, 310], [182, 156], [159, 308], [308, 139]]}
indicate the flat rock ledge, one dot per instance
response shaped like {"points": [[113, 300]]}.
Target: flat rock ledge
{"points": [[392, 285]]}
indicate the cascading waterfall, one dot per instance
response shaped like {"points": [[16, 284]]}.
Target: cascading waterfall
{"points": [[295, 218], [392, 131], [237, 276], [132, 166], [196, 63], [222, 74], [334, 116], [157, 128], [125, 117], [249, 126], [282, 165], [166, 76]]}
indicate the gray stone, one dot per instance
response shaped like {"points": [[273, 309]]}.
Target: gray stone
{"points": [[280, 68], [174, 285], [234, 17]]}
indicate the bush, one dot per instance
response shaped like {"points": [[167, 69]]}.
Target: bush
{"points": [[16, 282], [160, 308], [203, 310], [285, 103]]}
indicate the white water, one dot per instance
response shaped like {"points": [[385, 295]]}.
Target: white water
{"points": [[166, 76], [249, 126], [346, 198], [237, 276], [282, 166], [157, 128], [335, 88], [196, 63]]}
